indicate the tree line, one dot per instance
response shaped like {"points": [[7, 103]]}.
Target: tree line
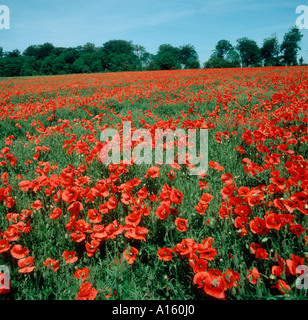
{"points": [[122, 55], [247, 53]]}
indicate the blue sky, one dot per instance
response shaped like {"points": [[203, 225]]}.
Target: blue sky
{"points": [[200, 23]]}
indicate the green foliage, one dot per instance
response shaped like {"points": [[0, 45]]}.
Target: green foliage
{"points": [[222, 48], [122, 55], [270, 51], [290, 46], [168, 57], [249, 52], [10, 67], [189, 57]]}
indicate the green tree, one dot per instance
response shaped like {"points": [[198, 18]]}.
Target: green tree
{"points": [[215, 62], [59, 65], [32, 51], [233, 58], [290, 46], [224, 56], [47, 65], [249, 52], [188, 57], [120, 56], [40, 52], [151, 64], [13, 54], [80, 66], [222, 48], [87, 63], [70, 55], [270, 51], [30, 66], [167, 57], [89, 48], [11, 66], [141, 54]]}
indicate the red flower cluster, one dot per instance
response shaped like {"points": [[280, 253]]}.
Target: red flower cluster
{"points": [[255, 189]]}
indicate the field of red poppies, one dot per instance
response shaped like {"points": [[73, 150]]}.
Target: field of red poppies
{"points": [[72, 227]]}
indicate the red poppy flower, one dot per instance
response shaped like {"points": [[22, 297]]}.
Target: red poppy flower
{"points": [[258, 226], [143, 193], [215, 165], [227, 190], [164, 254], [26, 185], [4, 246], [227, 178], [54, 181], [285, 218], [254, 197], [55, 214], [99, 232], [185, 247], [225, 210], [281, 268], [82, 274], [112, 203], [206, 198], [37, 205], [201, 208], [26, 265], [171, 175], [78, 236], [282, 286], [258, 251], [69, 256], [272, 188], [113, 229], [230, 278], [36, 156], [214, 286], [242, 210], [94, 216], [12, 233], [66, 179], [253, 275], [140, 233], [294, 263], [53, 263], [296, 229], [199, 265], [208, 253], [130, 255], [181, 224], [272, 221], [133, 219], [240, 222], [75, 208], [86, 292], [176, 196], [18, 251], [162, 212], [92, 247], [69, 195], [154, 198], [199, 279], [152, 172], [203, 185]]}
